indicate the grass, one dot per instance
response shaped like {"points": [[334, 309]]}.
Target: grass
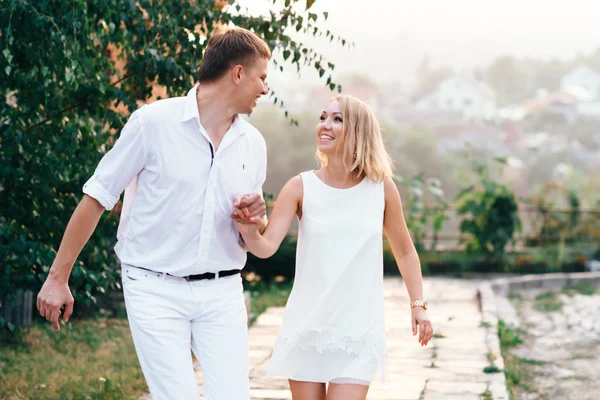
{"points": [[532, 361], [485, 324], [516, 296], [582, 287], [509, 337], [87, 359], [91, 359], [275, 296], [487, 395], [491, 369], [548, 302], [519, 372], [434, 353], [583, 357]]}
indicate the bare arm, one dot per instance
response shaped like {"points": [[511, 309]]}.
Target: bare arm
{"points": [[286, 207], [55, 292], [403, 248], [406, 257]]}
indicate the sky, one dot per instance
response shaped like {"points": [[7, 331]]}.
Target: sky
{"points": [[392, 36]]}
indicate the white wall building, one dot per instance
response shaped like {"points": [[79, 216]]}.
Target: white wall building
{"points": [[583, 83], [473, 99]]}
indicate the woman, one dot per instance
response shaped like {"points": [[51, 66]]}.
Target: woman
{"points": [[333, 326]]}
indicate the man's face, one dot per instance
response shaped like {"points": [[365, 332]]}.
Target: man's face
{"points": [[253, 85]]}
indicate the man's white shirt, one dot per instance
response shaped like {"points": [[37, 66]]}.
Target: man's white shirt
{"points": [[178, 190]]}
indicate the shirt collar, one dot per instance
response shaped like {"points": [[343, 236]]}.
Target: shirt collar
{"points": [[191, 105], [190, 111]]}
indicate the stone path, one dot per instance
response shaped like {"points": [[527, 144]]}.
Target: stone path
{"points": [[561, 345], [449, 368]]}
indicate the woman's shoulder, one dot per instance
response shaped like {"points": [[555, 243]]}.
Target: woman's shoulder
{"points": [[294, 186]]}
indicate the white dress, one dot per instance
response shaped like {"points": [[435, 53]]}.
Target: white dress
{"points": [[333, 324]]}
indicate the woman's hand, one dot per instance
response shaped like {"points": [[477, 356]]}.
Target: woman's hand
{"points": [[421, 324], [247, 229]]}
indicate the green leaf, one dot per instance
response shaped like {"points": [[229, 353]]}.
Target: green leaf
{"points": [[7, 70], [326, 15], [69, 76]]}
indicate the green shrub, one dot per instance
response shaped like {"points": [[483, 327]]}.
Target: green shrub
{"points": [[490, 215], [281, 264]]}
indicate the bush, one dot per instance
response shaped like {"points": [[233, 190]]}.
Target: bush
{"points": [[490, 213], [282, 265]]}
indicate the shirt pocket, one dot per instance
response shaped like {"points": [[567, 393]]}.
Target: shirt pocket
{"points": [[238, 177]]}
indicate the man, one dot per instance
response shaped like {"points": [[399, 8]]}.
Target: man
{"points": [[184, 161]]}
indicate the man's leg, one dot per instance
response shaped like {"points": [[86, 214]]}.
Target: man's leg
{"points": [[220, 342], [161, 333]]}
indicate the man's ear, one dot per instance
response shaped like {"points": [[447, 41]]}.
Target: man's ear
{"points": [[236, 73]]}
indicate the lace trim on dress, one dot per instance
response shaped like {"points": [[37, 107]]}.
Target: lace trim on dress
{"points": [[329, 341]]}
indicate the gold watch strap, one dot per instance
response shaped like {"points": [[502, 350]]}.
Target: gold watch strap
{"points": [[418, 303]]}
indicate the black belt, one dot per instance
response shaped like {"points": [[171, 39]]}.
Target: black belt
{"points": [[199, 277]]}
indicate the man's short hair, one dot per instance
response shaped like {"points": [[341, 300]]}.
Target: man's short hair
{"points": [[228, 47]]}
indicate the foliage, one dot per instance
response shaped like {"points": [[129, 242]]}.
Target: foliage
{"points": [[561, 226], [490, 215], [548, 302], [276, 295], [420, 215], [509, 337], [266, 271], [71, 74]]}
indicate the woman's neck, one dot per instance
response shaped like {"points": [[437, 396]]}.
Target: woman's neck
{"points": [[335, 174]]}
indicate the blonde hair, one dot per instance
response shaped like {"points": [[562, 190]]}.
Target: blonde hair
{"points": [[363, 141]]}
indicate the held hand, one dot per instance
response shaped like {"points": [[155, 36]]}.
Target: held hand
{"points": [[248, 208], [247, 228], [52, 297], [421, 324]]}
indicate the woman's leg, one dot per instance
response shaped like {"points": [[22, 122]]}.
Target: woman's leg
{"points": [[347, 391], [307, 390]]}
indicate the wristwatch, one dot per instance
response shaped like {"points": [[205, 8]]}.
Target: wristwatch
{"points": [[419, 303]]}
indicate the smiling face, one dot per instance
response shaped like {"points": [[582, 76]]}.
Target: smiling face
{"points": [[251, 85], [330, 129]]}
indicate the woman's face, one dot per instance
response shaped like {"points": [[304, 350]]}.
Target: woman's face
{"points": [[330, 129]]}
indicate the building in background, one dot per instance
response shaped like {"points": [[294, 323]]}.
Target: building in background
{"points": [[473, 99]]}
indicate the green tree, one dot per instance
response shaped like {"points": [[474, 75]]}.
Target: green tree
{"points": [[72, 72]]}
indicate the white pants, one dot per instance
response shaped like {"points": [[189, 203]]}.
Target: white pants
{"points": [[169, 316]]}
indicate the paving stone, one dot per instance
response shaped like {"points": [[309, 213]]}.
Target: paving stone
{"points": [[460, 355]]}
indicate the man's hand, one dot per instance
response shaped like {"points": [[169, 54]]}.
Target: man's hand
{"points": [[52, 297], [249, 208]]}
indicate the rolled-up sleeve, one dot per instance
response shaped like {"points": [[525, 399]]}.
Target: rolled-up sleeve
{"points": [[120, 165]]}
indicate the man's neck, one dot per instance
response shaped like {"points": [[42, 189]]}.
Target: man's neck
{"points": [[215, 111]]}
